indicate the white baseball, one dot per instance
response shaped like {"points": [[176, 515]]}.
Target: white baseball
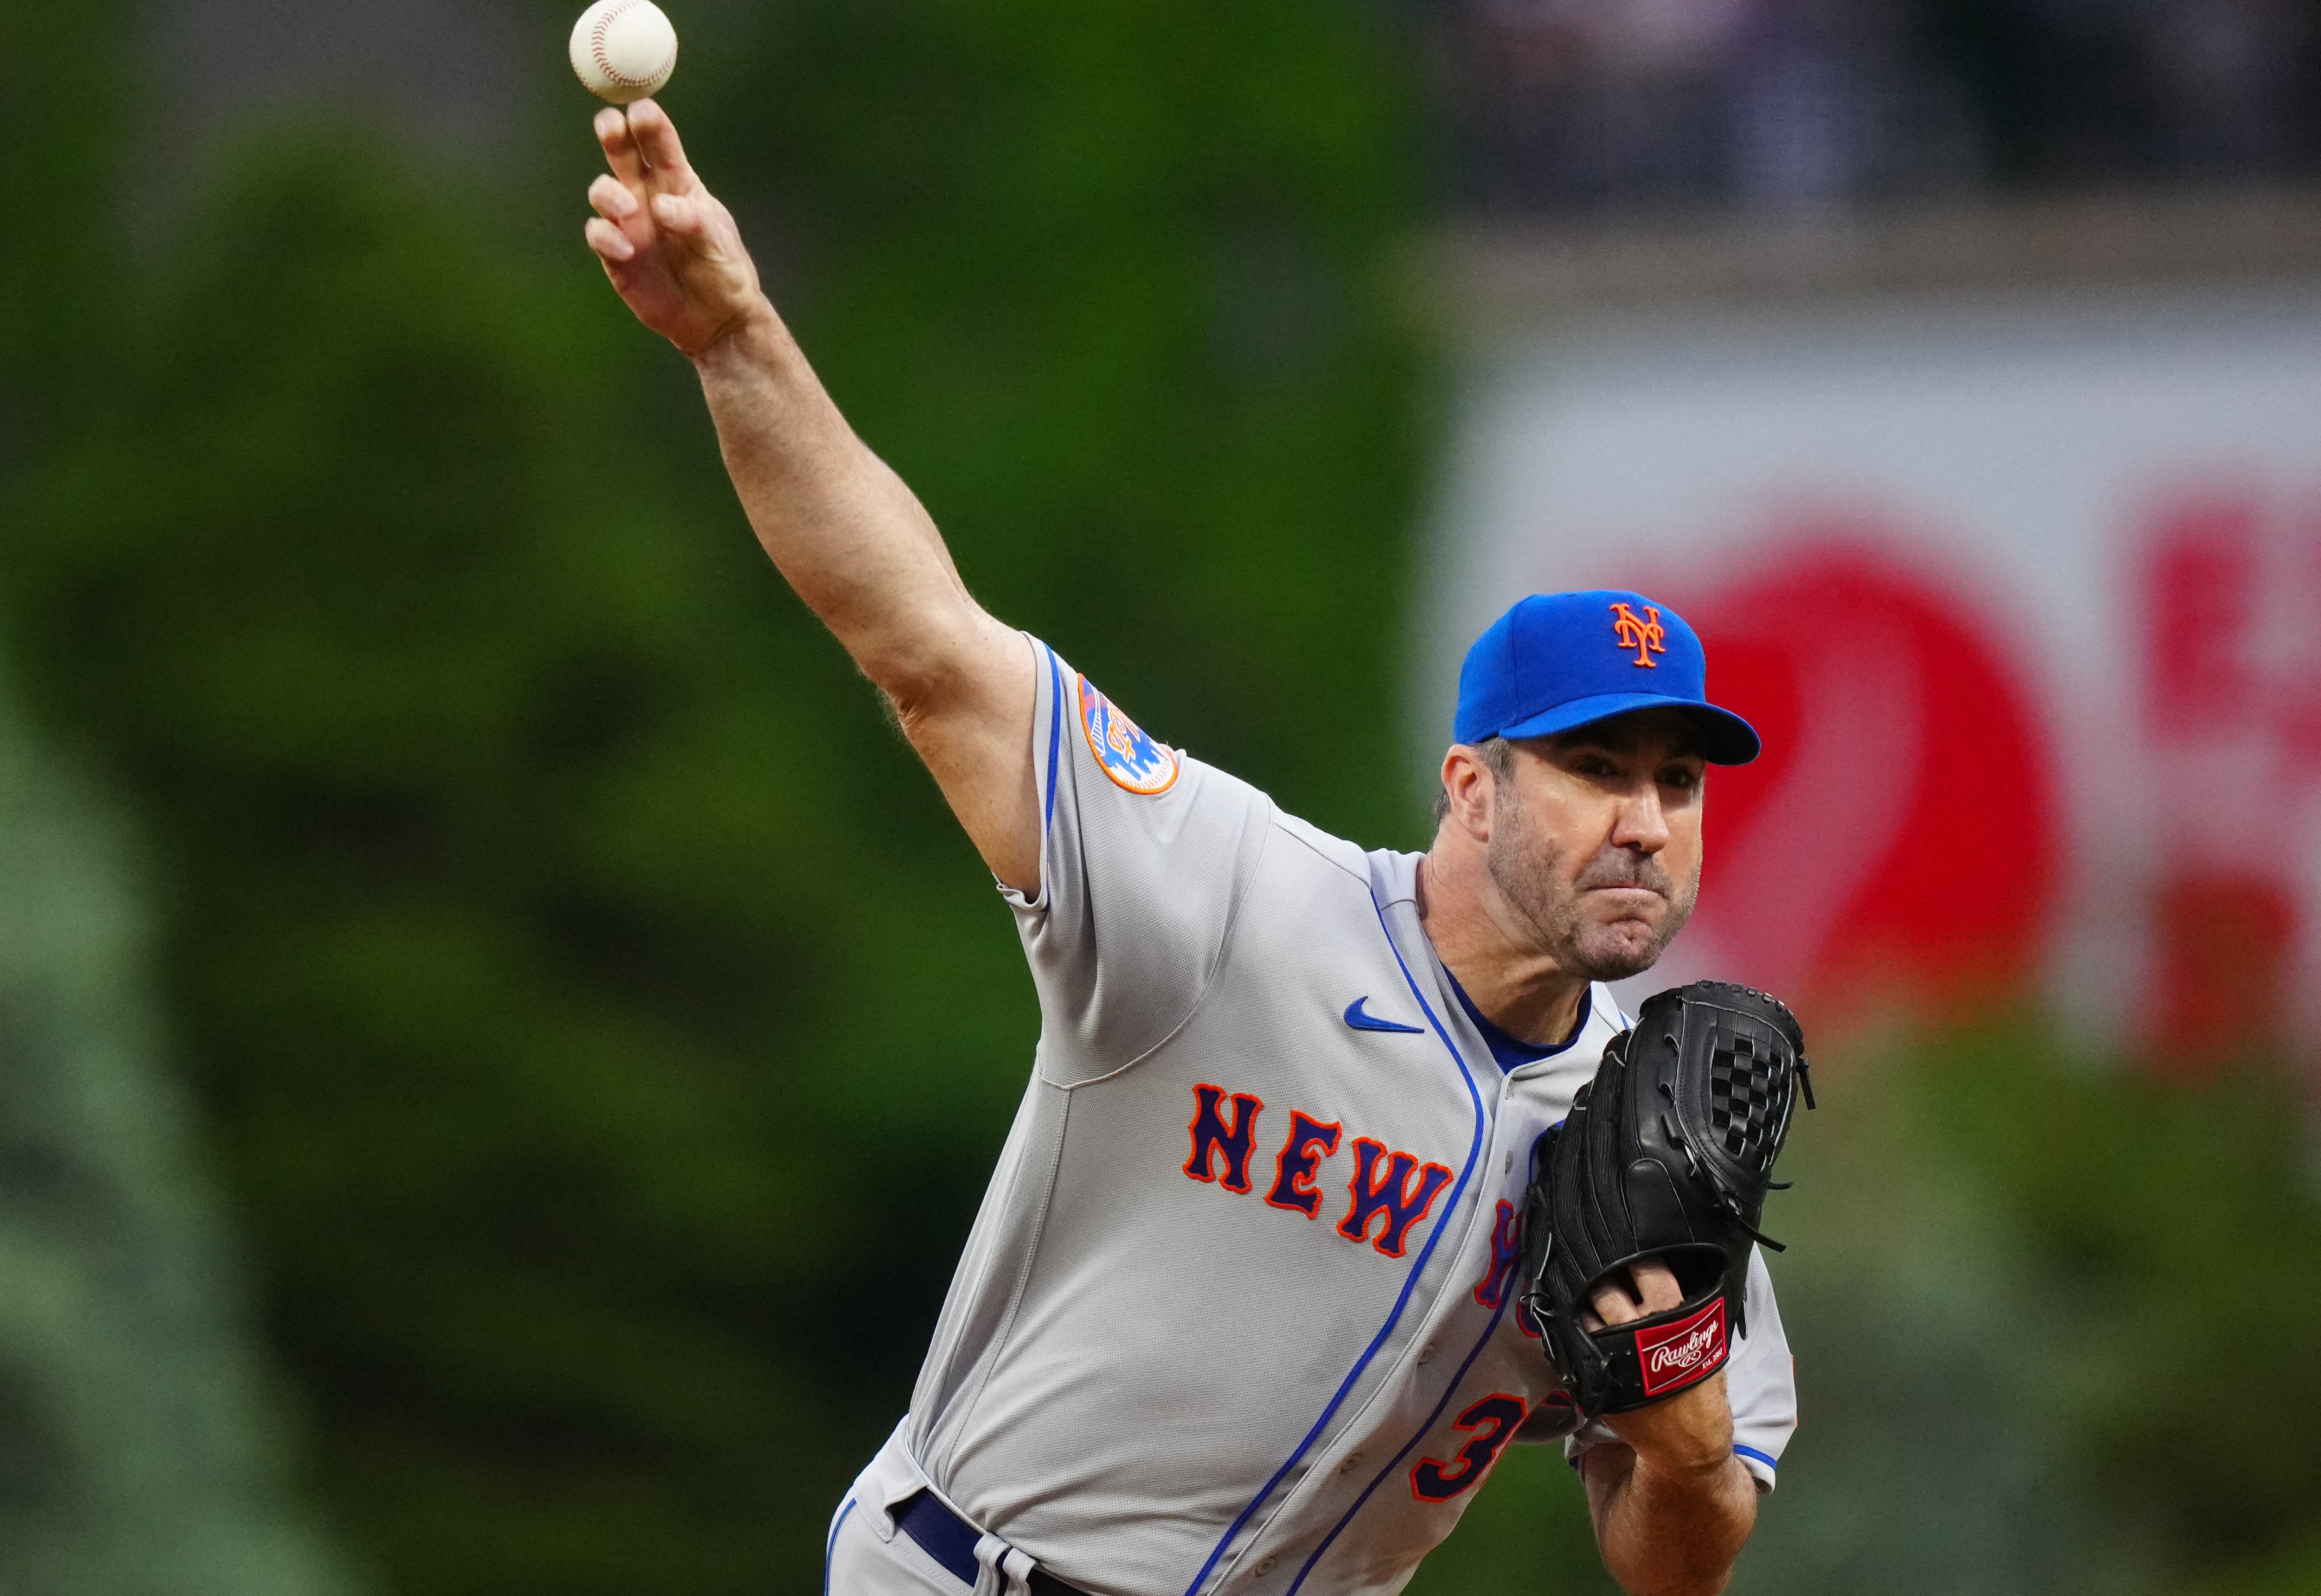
{"points": [[624, 50]]}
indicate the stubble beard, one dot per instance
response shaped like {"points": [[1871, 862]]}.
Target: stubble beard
{"points": [[1532, 872]]}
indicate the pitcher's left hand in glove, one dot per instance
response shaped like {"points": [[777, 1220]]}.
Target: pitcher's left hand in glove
{"points": [[1665, 1158]]}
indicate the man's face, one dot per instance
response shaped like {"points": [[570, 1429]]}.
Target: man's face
{"points": [[1595, 840]]}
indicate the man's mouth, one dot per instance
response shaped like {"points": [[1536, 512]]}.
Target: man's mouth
{"points": [[1636, 887]]}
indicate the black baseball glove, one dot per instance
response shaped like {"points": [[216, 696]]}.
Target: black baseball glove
{"points": [[1667, 1155]]}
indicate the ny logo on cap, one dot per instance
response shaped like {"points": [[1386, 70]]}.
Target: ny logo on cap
{"points": [[1644, 634]]}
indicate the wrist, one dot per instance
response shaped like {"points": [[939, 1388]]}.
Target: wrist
{"points": [[752, 340], [1687, 1437]]}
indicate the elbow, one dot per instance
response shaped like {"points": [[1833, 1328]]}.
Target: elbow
{"points": [[1652, 1572]]}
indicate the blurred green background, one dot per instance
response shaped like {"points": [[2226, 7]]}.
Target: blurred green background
{"points": [[570, 1036]]}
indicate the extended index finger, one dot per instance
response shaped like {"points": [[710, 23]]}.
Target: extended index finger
{"points": [[621, 148]]}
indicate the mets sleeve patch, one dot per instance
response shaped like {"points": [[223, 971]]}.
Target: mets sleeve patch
{"points": [[1133, 759]]}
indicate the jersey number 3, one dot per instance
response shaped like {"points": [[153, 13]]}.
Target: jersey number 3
{"points": [[1494, 1420]]}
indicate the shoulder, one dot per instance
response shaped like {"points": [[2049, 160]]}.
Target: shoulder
{"points": [[1312, 841]]}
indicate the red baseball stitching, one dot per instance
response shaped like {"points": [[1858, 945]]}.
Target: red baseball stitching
{"points": [[597, 49]]}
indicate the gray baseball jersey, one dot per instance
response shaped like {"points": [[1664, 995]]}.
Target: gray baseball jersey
{"points": [[1236, 1311]]}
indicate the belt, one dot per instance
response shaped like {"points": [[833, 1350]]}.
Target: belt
{"points": [[951, 1540]]}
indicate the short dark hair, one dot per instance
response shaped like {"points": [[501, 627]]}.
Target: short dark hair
{"points": [[1498, 757]]}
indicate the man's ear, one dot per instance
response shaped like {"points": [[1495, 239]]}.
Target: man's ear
{"points": [[1468, 784]]}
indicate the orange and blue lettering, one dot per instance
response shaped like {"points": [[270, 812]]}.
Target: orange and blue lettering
{"points": [[1494, 1420], [1212, 1135], [1491, 1291], [1388, 1194], [1294, 1171]]}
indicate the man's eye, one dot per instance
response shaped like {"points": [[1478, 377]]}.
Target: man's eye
{"points": [[1683, 780]]}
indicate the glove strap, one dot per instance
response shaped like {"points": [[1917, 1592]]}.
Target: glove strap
{"points": [[1661, 1354]]}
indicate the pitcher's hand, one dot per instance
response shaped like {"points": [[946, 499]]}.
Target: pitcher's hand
{"points": [[1689, 1433], [670, 247]]}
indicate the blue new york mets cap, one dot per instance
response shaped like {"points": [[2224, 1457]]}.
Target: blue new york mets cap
{"points": [[1557, 661]]}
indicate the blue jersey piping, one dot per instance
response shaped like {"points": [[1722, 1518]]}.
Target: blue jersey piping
{"points": [[1409, 1284], [1055, 739], [830, 1551], [1393, 1464]]}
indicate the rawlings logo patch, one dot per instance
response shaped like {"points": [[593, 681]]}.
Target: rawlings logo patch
{"points": [[1644, 634], [1677, 1355], [1131, 758]]}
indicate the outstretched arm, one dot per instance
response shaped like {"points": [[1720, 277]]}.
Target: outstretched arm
{"points": [[1673, 1506], [840, 527]]}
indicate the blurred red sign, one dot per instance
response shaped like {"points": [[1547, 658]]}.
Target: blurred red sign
{"points": [[2232, 709], [1900, 826]]}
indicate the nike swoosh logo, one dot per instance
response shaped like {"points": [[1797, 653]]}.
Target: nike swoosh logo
{"points": [[1371, 1022]]}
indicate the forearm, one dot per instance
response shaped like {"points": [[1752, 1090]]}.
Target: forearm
{"points": [[1667, 1533], [842, 528]]}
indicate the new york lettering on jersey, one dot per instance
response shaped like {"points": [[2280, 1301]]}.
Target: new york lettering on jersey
{"points": [[1389, 1191], [1236, 1305]]}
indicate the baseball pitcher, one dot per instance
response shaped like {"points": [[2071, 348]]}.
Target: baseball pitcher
{"points": [[1253, 1303]]}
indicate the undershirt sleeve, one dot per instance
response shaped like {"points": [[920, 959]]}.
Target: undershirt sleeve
{"points": [[1144, 853]]}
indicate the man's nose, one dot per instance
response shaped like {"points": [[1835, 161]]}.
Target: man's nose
{"points": [[1641, 824]]}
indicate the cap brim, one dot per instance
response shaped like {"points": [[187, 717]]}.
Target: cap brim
{"points": [[1725, 738]]}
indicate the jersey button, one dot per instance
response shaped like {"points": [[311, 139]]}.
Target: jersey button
{"points": [[1426, 1353], [1353, 1461], [1264, 1565]]}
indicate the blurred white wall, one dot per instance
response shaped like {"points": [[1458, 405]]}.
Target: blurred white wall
{"points": [[2015, 548]]}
